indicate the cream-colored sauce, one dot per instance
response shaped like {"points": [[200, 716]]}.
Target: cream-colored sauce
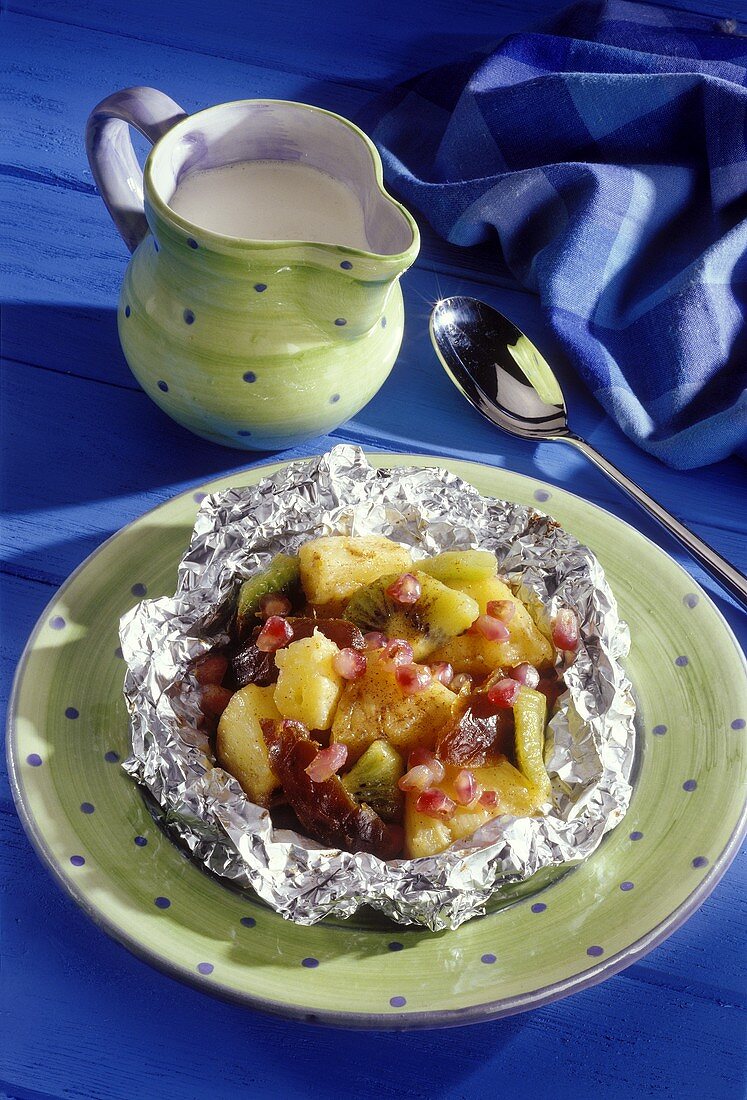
{"points": [[272, 201]]}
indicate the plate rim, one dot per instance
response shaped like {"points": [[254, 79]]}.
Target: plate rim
{"points": [[397, 1021]]}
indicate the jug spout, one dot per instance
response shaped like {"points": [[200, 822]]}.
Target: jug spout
{"points": [[350, 295], [359, 282]]}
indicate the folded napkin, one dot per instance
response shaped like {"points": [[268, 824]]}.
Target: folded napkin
{"points": [[608, 153]]}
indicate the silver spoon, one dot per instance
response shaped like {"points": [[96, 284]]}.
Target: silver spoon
{"points": [[502, 374]]}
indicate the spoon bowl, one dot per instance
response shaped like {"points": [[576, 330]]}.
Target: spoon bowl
{"points": [[501, 373], [498, 369]]}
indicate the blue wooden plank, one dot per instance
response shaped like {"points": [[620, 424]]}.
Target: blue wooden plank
{"points": [[55, 520], [370, 46], [366, 46]]}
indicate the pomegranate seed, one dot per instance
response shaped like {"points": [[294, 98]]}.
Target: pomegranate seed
{"points": [[463, 680], [488, 799], [399, 651], [274, 604], [565, 629], [466, 787], [443, 672], [416, 779], [214, 699], [211, 669], [413, 678], [434, 803], [349, 663], [502, 609], [375, 639], [491, 628], [274, 634], [425, 758], [504, 693], [526, 674], [327, 763], [406, 589]]}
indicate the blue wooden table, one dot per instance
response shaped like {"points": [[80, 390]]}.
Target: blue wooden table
{"points": [[85, 451]]}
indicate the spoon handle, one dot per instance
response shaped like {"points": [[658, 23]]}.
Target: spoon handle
{"points": [[724, 572]]}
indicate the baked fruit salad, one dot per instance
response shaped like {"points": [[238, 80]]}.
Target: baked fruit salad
{"points": [[394, 706]]}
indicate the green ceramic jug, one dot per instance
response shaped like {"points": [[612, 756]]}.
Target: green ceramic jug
{"points": [[254, 344]]}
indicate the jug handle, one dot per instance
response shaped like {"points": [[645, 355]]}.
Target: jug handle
{"points": [[115, 168]]}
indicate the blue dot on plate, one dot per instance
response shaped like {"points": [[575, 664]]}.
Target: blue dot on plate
{"points": [[205, 968], [700, 861], [625, 886], [346, 265], [140, 841], [34, 759], [383, 322], [189, 317], [163, 386], [595, 950], [340, 321], [541, 494], [250, 376], [248, 922], [111, 757], [690, 600], [57, 623], [395, 945], [138, 589], [334, 399], [260, 287], [127, 311], [199, 497], [689, 785], [539, 907], [77, 861], [161, 903], [155, 244], [659, 730], [192, 242], [310, 963], [487, 958], [738, 724], [71, 712], [681, 661], [397, 1002], [636, 835], [244, 432], [87, 808]]}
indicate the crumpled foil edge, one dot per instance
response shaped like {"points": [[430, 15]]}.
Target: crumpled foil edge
{"points": [[590, 743]]}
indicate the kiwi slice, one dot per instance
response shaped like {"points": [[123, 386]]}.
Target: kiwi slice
{"points": [[374, 779], [439, 614], [530, 713], [281, 576], [456, 566]]}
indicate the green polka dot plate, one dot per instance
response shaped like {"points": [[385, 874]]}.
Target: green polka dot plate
{"points": [[69, 731]]}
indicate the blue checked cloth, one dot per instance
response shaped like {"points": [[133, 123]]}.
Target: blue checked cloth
{"points": [[606, 156]]}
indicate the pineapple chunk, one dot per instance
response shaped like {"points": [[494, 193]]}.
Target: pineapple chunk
{"points": [[425, 836], [454, 566], [333, 567], [375, 707], [308, 687], [240, 745], [476, 655]]}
